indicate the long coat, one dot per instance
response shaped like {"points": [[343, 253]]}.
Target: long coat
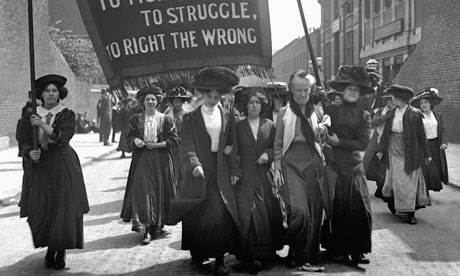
{"points": [[210, 228], [415, 143], [255, 198], [442, 139]]}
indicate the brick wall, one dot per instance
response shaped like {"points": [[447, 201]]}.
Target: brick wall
{"points": [[15, 65], [436, 60]]}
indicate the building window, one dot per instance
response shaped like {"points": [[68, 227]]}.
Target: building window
{"points": [[347, 8], [376, 6], [336, 9], [387, 4], [367, 9], [348, 58]]}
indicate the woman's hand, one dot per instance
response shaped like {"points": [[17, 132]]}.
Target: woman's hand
{"points": [[198, 171], [151, 145], [228, 150], [277, 178], [379, 155], [234, 180], [35, 120], [333, 139], [34, 154], [428, 160], [139, 143], [263, 159], [444, 146]]}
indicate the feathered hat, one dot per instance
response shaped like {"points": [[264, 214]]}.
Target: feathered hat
{"points": [[347, 74], [178, 92], [430, 93]]}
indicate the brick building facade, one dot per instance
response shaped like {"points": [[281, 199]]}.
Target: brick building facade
{"points": [[15, 65], [436, 60]]}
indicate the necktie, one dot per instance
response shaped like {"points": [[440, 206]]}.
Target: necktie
{"points": [[44, 140]]}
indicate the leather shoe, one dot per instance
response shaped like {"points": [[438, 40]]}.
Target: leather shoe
{"points": [[391, 207], [359, 259], [60, 260], [412, 220], [49, 258], [147, 238]]}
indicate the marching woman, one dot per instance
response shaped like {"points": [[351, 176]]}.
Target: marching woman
{"points": [[211, 228], [54, 194], [403, 148], [297, 161], [435, 129], [255, 144], [126, 112], [352, 216], [151, 182]]}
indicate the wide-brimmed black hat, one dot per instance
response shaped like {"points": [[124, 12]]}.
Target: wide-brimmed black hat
{"points": [[43, 81], [331, 95], [155, 90], [178, 92], [347, 74], [400, 91], [219, 78], [430, 93]]}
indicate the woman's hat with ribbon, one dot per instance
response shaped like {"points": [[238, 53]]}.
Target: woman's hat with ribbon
{"points": [[430, 93], [155, 90], [178, 92], [333, 93], [347, 74]]}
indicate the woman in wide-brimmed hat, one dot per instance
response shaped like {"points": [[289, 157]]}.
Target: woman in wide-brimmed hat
{"points": [[278, 92], [350, 124], [403, 148], [374, 168], [335, 97], [53, 193], [435, 129], [151, 183], [210, 230]]}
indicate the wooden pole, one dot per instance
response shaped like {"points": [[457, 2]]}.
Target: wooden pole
{"points": [[33, 92]]}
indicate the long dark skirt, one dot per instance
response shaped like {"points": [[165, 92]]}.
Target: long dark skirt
{"points": [[209, 230], [351, 217], [56, 200], [150, 188], [433, 172], [303, 202], [375, 168]]}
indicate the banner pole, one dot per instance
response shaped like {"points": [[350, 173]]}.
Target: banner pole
{"points": [[33, 92]]}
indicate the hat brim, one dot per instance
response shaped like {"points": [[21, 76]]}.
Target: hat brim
{"points": [[207, 88], [56, 79], [340, 86], [331, 95], [433, 100]]}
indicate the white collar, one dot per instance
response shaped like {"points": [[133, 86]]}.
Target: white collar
{"points": [[207, 109], [41, 111]]}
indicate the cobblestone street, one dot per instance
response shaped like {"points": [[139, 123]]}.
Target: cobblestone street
{"points": [[429, 248]]}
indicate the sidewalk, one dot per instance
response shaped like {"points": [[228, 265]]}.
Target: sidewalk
{"points": [[87, 147]]}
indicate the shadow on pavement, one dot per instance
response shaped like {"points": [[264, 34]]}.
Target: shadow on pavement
{"points": [[101, 221], [121, 188], [106, 208], [12, 214]]}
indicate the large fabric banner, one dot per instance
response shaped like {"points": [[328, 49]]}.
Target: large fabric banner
{"points": [[140, 39]]}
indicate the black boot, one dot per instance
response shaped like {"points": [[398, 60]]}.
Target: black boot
{"points": [[219, 267], [60, 260], [49, 258], [411, 218]]}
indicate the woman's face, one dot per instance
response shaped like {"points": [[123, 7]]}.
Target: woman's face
{"points": [[211, 98], [300, 89], [254, 106], [337, 99], [150, 101], [177, 103], [277, 103], [50, 95], [351, 93], [425, 105]]}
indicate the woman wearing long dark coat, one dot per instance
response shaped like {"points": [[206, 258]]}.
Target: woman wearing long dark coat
{"points": [[126, 112], [403, 147], [352, 215], [435, 129], [297, 160], [255, 144], [53, 195], [211, 228], [151, 181]]}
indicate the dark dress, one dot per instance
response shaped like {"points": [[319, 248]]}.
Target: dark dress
{"points": [[211, 228], [255, 197], [352, 216], [53, 192], [435, 172], [151, 182], [125, 113]]}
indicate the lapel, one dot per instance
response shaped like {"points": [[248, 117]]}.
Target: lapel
{"points": [[224, 116], [248, 132], [141, 122], [199, 121]]}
